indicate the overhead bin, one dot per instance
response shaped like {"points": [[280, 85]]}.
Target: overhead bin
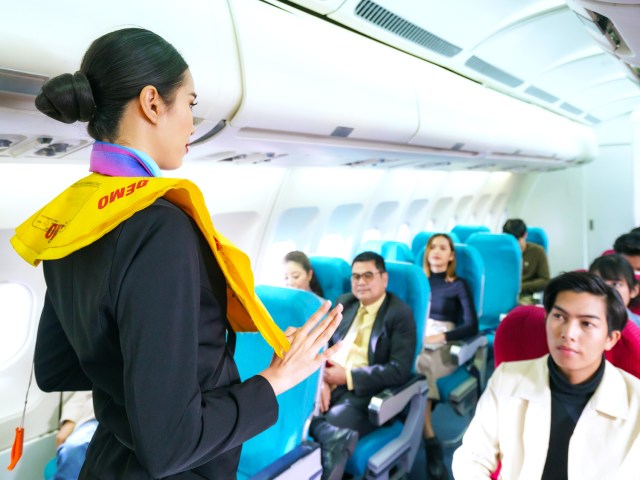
{"points": [[306, 76], [38, 43], [458, 114]]}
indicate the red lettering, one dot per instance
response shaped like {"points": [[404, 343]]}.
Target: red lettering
{"points": [[52, 231], [116, 194], [142, 183], [131, 188], [103, 202]]}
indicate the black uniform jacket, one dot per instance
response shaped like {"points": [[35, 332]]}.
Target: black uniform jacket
{"points": [[139, 317]]}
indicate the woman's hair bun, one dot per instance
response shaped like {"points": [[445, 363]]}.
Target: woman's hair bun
{"points": [[67, 98]]}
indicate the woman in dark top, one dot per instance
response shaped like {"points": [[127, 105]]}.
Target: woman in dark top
{"points": [[144, 314], [452, 316]]}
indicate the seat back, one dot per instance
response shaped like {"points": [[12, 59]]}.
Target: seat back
{"points": [[539, 236], [410, 284], [333, 275], [420, 242], [470, 267], [522, 336], [388, 249], [465, 231], [502, 259], [288, 307]]}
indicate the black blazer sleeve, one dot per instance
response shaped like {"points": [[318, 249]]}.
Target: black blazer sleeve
{"points": [[56, 365], [393, 347]]}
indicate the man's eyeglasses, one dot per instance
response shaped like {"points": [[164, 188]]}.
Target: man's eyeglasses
{"points": [[366, 276]]}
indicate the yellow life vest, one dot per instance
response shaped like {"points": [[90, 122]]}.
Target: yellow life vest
{"points": [[95, 205]]}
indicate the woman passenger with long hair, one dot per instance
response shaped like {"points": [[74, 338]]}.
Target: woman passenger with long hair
{"points": [[452, 316], [298, 273]]}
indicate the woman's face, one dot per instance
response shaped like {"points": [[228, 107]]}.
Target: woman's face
{"points": [[297, 277], [440, 254], [622, 287], [176, 126]]}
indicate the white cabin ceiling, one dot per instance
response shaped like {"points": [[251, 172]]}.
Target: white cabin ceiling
{"points": [[536, 50]]}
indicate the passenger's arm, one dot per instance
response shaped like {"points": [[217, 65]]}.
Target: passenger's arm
{"points": [[176, 423], [469, 326], [373, 378], [56, 365], [478, 456]]}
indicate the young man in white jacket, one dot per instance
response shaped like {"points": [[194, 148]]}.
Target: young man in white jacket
{"points": [[568, 415]]}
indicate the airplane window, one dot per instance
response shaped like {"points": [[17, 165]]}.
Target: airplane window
{"points": [[442, 212], [417, 211], [272, 271], [294, 231], [384, 219], [335, 245], [340, 231], [16, 302], [463, 205]]}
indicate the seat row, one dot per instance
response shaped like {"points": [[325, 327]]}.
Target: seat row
{"points": [[284, 451]]}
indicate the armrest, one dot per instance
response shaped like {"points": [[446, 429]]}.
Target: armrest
{"points": [[464, 350], [304, 461], [392, 401]]}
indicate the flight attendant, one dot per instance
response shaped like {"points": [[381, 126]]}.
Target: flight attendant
{"points": [[143, 295]]}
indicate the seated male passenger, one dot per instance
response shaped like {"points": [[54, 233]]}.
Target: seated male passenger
{"points": [[77, 425], [628, 245], [535, 267], [378, 333], [567, 415]]}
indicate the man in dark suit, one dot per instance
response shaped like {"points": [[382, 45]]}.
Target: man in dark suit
{"points": [[378, 333]]}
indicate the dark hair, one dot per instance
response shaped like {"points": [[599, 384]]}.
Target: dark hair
{"points": [[635, 230], [614, 268], [451, 268], [585, 282], [369, 257], [628, 244], [515, 227], [114, 70], [301, 259]]}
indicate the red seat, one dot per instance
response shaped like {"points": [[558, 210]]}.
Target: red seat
{"points": [[522, 336]]}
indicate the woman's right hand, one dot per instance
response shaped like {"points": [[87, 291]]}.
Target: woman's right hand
{"points": [[304, 356]]}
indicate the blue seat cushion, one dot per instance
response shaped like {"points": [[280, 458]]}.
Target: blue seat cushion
{"points": [[369, 445], [447, 384], [50, 469]]}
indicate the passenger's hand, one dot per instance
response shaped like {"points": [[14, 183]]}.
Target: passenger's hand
{"points": [[303, 358], [335, 374], [64, 432], [325, 397], [437, 338]]}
